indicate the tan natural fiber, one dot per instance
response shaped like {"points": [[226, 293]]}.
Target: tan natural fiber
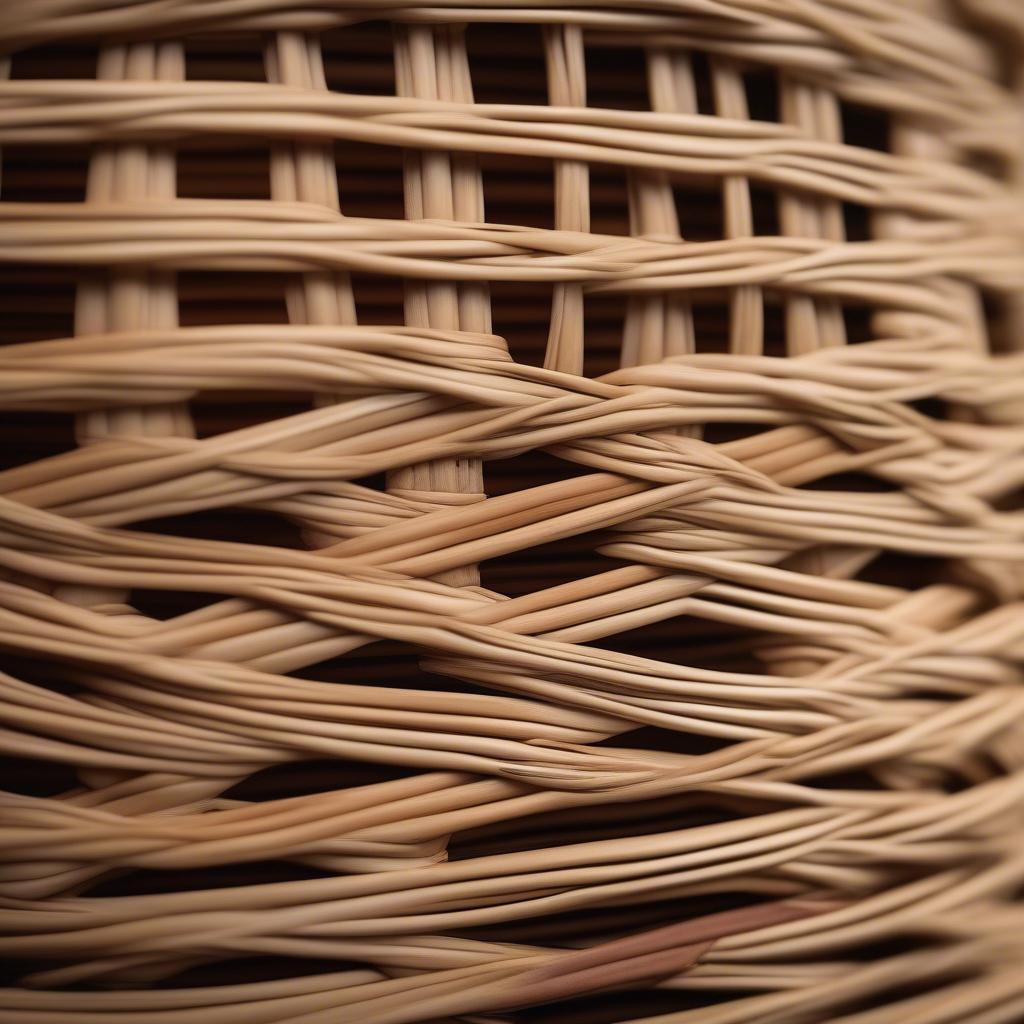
{"points": [[646, 643]]}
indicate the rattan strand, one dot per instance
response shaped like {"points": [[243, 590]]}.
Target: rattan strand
{"points": [[847, 846]]}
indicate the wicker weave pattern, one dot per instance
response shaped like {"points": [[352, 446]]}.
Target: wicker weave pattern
{"points": [[822, 819]]}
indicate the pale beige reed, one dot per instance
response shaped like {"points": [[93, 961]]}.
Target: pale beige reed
{"points": [[803, 801]]}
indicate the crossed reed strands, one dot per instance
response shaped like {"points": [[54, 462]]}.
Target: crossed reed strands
{"points": [[886, 896]]}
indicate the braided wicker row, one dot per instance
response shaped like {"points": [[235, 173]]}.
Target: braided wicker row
{"points": [[802, 802]]}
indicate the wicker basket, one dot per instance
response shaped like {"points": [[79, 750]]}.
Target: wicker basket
{"points": [[512, 514]]}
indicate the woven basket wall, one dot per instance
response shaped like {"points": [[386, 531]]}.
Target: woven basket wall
{"points": [[512, 514]]}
